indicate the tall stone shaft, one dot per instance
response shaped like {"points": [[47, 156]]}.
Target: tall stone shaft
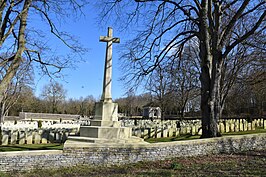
{"points": [[107, 80]]}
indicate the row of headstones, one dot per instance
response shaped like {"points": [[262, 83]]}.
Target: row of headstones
{"points": [[168, 132], [158, 123], [41, 136], [11, 125], [34, 125], [235, 125], [232, 125]]}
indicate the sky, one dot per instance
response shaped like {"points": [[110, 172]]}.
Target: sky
{"points": [[87, 78]]}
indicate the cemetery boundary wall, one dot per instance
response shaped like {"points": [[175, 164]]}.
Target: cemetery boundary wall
{"points": [[47, 116], [127, 153]]}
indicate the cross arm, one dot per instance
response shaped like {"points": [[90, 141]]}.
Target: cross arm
{"points": [[109, 39]]}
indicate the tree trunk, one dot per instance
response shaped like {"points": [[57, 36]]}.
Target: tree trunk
{"points": [[208, 78], [18, 56]]}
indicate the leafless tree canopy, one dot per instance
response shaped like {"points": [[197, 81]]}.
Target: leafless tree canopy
{"points": [[229, 35], [25, 30]]}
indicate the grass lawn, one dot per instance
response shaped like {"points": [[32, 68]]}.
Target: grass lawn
{"points": [[190, 137], [27, 147], [252, 163]]}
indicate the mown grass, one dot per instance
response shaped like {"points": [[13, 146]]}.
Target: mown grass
{"points": [[193, 137], [28, 147], [252, 163]]}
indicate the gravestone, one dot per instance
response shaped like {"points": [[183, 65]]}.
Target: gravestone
{"points": [[177, 132], [37, 136], [158, 133], [241, 125], [165, 133], [44, 136], [222, 130], [146, 133], [152, 132], [29, 137], [232, 125], [22, 136], [227, 129], [236, 125], [171, 132], [14, 136], [249, 126], [105, 127], [193, 130], [253, 125], [245, 125], [5, 135]]}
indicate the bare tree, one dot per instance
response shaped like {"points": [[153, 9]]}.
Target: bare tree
{"points": [[54, 94], [22, 79], [159, 84], [185, 76], [219, 27], [22, 38]]}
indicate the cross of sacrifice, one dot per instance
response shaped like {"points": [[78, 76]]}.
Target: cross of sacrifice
{"points": [[107, 80]]}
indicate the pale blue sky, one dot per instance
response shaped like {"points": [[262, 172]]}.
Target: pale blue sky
{"points": [[87, 78]]}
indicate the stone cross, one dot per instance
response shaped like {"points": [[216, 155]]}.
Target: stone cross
{"points": [[107, 80]]}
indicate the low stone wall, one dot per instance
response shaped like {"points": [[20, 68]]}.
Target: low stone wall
{"points": [[96, 154], [47, 116]]}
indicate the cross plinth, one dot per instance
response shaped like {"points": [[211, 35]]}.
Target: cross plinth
{"points": [[107, 80]]}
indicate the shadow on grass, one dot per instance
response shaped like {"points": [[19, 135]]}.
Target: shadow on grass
{"points": [[178, 138]]}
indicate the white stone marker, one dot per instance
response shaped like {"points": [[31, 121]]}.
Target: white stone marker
{"points": [[193, 132], [241, 125], [171, 132], [14, 136], [249, 126], [236, 125], [221, 125], [44, 136], [37, 137], [227, 129], [232, 125], [165, 133], [22, 137], [253, 124], [29, 137], [146, 133], [5, 137]]}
